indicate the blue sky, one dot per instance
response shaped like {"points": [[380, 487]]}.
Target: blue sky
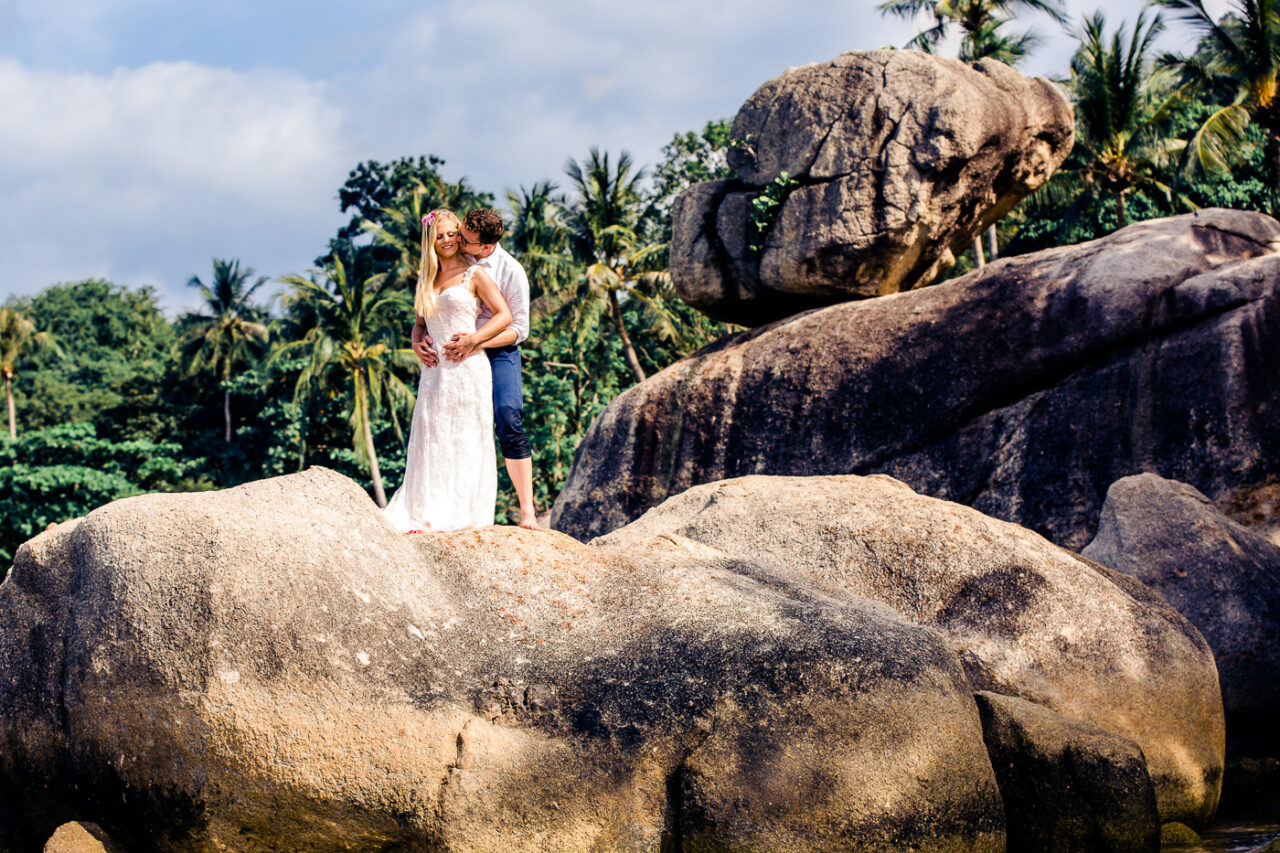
{"points": [[140, 138]]}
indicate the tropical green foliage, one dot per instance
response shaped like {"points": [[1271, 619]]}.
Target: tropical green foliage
{"points": [[1242, 53], [765, 207], [220, 337], [114, 365], [603, 219], [345, 332], [539, 236], [981, 24], [18, 337], [689, 158], [51, 475], [1124, 141]]}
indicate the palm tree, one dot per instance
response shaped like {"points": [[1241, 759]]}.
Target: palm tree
{"points": [[226, 328], [980, 23], [18, 336], [1121, 110], [400, 228], [988, 41], [349, 342], [540, 235], [1243, 51], [399, 225], [603, 222]]}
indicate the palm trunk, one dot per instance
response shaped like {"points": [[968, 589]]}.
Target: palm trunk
{"points": [[226, 412], [626, 339], [1120, 211], [1271, 152], [378, 494], [978, 260], [395, 422], [13, 419], [993, 243], [375, 473]]}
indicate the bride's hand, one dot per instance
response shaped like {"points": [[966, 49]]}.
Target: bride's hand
{"points": [[426, 352], [460, 347]]}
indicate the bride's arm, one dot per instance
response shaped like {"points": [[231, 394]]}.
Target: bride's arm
{"points": [[487, 290], [423, 346]]}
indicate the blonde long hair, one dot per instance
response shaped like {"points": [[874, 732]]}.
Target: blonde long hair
{"points": [[424, 299]]}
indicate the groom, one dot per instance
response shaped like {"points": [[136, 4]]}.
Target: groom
{"points": [[480, 232]]}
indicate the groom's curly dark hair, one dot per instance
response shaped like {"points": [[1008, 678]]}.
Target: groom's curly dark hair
{"points": [[486, 222]]}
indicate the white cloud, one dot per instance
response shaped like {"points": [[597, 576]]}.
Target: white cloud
{"points": [[595, 87], [178, 125], [148, 172]]}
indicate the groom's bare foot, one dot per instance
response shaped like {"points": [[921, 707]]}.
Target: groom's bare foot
{"points": [[529, 521]]}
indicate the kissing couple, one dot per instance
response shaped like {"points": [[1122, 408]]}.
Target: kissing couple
{"points": [[471, 296]]}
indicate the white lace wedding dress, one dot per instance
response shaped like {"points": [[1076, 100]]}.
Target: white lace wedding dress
{"points": [[451, 475]]}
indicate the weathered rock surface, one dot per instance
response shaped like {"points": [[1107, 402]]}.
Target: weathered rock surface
{"points": [[1174, 834], [1024, 389], [76, 837], [1025, 617], [901, 158], [273, 667], [1067, 786], [1257, 507], [1220, 575]]}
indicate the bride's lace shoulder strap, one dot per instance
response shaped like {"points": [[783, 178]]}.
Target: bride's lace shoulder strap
{"points": [[468, 278]]}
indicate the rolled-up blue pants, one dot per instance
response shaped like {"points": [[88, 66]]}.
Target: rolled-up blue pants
{"points": [[508, 402]]}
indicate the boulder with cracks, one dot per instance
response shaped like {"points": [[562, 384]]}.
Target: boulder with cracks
{"points": [[899, 160], [274, 667]]}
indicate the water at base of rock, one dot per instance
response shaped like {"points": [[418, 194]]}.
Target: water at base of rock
{"points": [[1232, 836]]}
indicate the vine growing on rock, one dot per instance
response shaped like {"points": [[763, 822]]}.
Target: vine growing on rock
{"points": [[765, 207]]}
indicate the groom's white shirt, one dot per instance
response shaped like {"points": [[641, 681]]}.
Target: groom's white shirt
{"points": [[513, 284]]}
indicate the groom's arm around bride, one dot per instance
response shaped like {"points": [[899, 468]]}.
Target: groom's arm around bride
{"points": [[480, 232]]}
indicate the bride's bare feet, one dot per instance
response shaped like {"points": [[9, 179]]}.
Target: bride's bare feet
{"points": [[529, 521]]}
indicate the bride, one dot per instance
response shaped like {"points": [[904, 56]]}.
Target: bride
{"points": [[451, 474]]}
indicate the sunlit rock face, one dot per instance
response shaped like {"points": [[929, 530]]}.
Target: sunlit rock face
{"points": [[1024, 389], [274, 667], [1024, 617], [900, 159]]}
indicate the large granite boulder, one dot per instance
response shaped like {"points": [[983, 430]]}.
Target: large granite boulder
{"points": [[1023, 389], [1067, 786], [1024, 617], [1223, 577], [900, 159], [274, 667]]}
